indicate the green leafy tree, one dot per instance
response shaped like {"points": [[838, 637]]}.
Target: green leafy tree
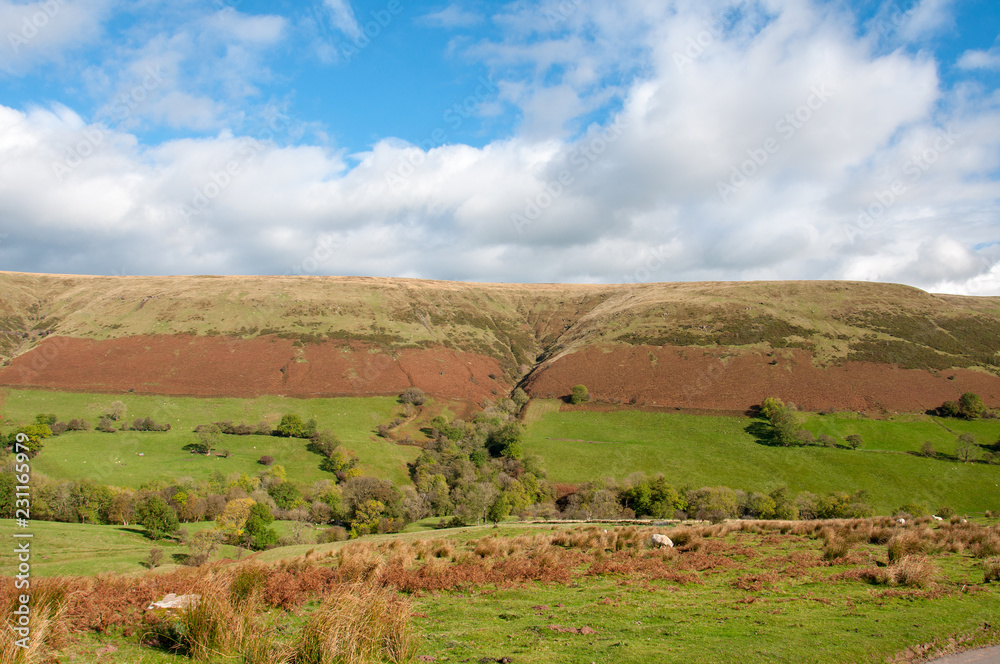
{"points": [[970, 405], [259, 535], [771, 406], [580, 394], [500, 509], [48, 419], [35, 433], [291, 426], [854, 441], [157, 517], [285, 495], [519, 397]]}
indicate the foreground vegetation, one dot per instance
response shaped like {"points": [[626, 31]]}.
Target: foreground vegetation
{"points": [[825, 591]]}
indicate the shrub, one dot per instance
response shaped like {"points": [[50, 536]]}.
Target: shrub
{"points": [[266, 460], [854, 441], [47, 419], [580, 394], [946, 512], [991, 569], [414, 396], [106, 425], [334, 534], [928, 450], [358, 624], [827, 440], [155, 558], [78, 425]]}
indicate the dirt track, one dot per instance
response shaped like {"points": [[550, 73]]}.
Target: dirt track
{"points": [[221, 366], [696, 378]]}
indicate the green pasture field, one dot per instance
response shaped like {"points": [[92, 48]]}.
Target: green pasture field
{"points": [[114, 458], [699, 450], [796, 610]]}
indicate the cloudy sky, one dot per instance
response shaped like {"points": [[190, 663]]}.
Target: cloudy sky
{"points": [[536, 140]]}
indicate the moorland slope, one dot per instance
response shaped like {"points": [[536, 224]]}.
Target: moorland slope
{"points": [[711, 345]]}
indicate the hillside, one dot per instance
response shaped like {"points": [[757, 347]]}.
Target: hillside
{"points": [[718, 346]]}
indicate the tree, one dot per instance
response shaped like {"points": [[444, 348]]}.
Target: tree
{"points": [[854, 441], [233, 519], [966, 450], [414, 396], [116, 410], [208, 438], [500, 509], [928, 450], [970, 406], [285, 495], [519, 397], [157, 517], [579, 394], [259, 535], [770, 406], [291, 426], [35, 434], [47, 419]]}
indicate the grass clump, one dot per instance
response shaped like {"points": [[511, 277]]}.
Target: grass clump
{"points": [[991, 569], [358, 625]]}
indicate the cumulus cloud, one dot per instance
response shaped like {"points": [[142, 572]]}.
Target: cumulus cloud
{"points": [[45, 31], [658, 143]]}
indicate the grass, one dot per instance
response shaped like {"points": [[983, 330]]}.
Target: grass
{"points": [[699, 450], [84, 549], [744, 591], [114, 458]]}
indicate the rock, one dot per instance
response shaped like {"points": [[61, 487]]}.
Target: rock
{"points": [[174, 603]]}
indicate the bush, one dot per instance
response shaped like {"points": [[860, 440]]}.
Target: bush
{"points": [[991, 569], [414, 396], [106, 425], [928, 450], [827, 440], [836, 548], [266, 460], [854, 441], [155, 558], [78, 425], [579, 394], [334, 534]]}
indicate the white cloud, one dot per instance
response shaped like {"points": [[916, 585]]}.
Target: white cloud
{"points": [[808, 125], [452, 16], [44, 31], [979, 59], [342, 17]]}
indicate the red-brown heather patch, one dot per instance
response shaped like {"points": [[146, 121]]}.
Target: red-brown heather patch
{"points": [[222, 366], [699, 378]]}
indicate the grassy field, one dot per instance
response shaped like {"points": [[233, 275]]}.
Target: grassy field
{"points": [[698, 450], [114, 458], [745, 592]]}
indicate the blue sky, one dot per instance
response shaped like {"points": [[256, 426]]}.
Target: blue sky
{"points": [[547, 140]]}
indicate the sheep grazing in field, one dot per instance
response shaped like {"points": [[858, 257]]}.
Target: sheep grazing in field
{"points": [[658, 540], [901, 522], [937, 518]]}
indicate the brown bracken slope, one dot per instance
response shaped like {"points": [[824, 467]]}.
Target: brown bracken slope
{"points": [[718, 346]]}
